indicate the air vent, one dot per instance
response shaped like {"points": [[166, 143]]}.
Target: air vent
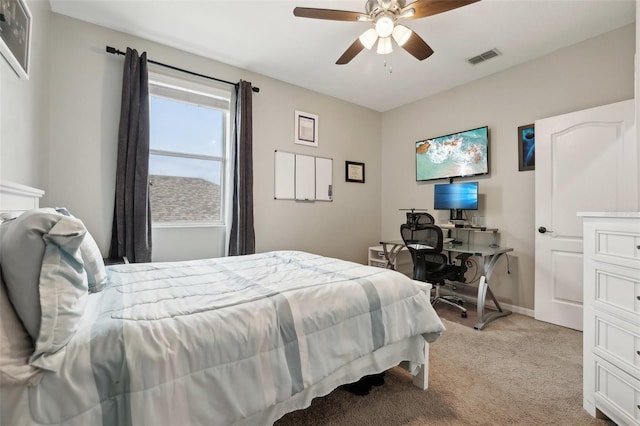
{"points": [[484, 56]]}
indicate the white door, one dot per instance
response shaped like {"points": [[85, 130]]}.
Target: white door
{"points": [[585, 161]]}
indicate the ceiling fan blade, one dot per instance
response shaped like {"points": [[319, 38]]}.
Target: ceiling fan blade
{"points": [[417, 47], [433, 7], [333, 15], [350, 53]]}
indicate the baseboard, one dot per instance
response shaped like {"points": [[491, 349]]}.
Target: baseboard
{"points": [[517, 309], [488, 303]]}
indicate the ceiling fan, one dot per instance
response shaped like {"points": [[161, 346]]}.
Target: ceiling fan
{"points": [[384, 14]]}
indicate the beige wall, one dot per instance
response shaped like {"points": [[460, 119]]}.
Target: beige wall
{"points": [[58, 129], [85, 104], [596, 72], [24, 112]]}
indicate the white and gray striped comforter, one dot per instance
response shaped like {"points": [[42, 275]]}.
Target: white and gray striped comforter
{"points": [[219, 341]]}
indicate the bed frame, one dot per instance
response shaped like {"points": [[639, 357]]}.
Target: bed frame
{"points": [[16, 198]]}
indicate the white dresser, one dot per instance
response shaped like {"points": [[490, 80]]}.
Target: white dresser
{"points": [[611, 336]]}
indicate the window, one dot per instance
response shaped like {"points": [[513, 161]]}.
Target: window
{"points": [[188, 156]]}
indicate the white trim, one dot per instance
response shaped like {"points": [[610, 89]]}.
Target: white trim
{"points": [[18, 198], [18, 189], [186, 155], [518, 309], [188, 225], [212, 91]]}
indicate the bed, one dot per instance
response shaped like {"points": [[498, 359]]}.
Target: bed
{"points": [[231, 341]]}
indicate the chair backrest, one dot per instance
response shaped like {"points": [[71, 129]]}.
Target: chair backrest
{"points": [[425, 245], [415, 219], [424, 238]]}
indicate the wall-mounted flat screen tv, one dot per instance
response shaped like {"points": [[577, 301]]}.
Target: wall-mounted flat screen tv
{"points": [[456, 155]]}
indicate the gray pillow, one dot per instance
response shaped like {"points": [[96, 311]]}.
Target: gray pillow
{"points": [[63, 292], [46, 282], [15, 346], [21, 252]]}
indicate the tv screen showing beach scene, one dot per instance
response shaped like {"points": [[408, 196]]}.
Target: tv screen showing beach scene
{"points": [[456, 155]]}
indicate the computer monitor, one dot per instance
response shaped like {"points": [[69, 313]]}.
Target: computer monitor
{"points": [[455, 197]]}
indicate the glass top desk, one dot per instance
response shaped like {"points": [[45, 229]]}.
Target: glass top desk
{"points": [[488, 256]]}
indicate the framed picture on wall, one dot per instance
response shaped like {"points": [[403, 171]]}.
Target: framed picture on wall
{"points": [[354, 172], [15, 35], [306, 127], [526, 148]]}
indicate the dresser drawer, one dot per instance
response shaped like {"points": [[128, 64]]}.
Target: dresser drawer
{"points": [[619, 246], [378, 263], [616, 290], [617, 394], [618, 342], [377, 252]]}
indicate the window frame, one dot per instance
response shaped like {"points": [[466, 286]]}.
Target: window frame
{"points": [[215, 96]]}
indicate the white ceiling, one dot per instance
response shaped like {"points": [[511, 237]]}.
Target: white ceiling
{"points": [[263, 36]]}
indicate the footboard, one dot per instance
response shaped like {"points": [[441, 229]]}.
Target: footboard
{"points": [[420, 371]]}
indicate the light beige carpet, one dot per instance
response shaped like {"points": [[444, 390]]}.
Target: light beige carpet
{"points": [[517, 371]]}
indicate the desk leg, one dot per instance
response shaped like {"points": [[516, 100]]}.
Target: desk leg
{"points": [[483, 289], [391, 254]]}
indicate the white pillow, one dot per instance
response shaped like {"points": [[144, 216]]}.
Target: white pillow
{"points": [[92, 258]]}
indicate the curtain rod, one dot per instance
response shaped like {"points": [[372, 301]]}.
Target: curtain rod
{"points": [[115, 51]]}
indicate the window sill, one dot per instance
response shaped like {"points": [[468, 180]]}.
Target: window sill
{"points": [[165, 225]]}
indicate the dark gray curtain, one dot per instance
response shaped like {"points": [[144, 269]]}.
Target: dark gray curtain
{"points": [[242, 239], [131, 232]]}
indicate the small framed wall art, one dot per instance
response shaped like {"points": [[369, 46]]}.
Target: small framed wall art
{"points": [[15, 35], [354, 172], [306, 126], [526, 148]]}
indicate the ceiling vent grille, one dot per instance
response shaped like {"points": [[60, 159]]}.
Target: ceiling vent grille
{"points": [[489, 54]]}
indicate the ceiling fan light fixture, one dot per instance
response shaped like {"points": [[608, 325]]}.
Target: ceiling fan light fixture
{"points": [[401, 34], [384, 25], [384, 46], [383, 16], [368, 38]]}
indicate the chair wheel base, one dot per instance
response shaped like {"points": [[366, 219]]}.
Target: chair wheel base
{"points": [[463, 314]]}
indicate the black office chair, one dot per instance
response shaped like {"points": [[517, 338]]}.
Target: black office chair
{"points": [[430, 264]]}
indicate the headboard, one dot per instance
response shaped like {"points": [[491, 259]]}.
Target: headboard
{"points": [[16, 198]]}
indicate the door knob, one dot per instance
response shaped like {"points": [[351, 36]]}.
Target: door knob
{"points": [[543, 230]]}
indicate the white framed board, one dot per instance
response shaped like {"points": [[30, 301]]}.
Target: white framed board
{"points": [[302, 177], [324, 179], [305, 178], [285, 169]]}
